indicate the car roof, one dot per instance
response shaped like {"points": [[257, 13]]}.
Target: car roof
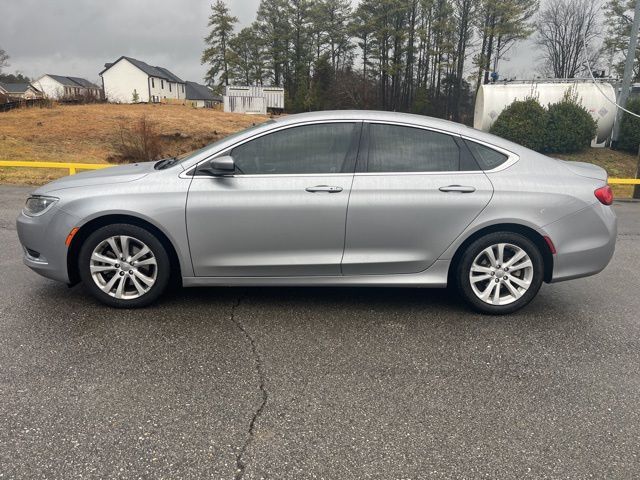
{"points": [[373, 115]]}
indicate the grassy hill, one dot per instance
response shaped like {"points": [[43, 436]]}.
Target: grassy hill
{"points": [[85, 133]]}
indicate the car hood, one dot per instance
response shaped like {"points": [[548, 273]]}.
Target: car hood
{"points": [[119, 174], [586, 170]]}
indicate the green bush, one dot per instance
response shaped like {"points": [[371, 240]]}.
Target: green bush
{"points": [[570, 127], [629, 136], [523, 122]]}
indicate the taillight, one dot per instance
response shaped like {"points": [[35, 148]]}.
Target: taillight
{"points": [[605, 195]]}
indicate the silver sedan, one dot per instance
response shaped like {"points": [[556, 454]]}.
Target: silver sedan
{"points": [[330, 198]]}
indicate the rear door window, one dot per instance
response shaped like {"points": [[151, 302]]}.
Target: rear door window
{"points": [[396, 148]]}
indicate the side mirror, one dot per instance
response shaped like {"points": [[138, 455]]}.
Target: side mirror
{"points": [[220, 166]]}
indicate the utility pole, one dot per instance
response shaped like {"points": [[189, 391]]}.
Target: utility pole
{"points": [[628, 71]]}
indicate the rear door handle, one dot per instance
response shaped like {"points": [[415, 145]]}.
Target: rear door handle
{"points": [[458, 188], [324, 188]]}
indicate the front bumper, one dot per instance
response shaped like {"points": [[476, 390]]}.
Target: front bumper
{"points": [[45, 236], [584, 241]]}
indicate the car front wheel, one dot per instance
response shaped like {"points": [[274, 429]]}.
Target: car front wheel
{"points": [[500, 273], [124, 266]]}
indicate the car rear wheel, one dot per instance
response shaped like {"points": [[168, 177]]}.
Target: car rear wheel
{"points": [[500, 273], [124, 266]]}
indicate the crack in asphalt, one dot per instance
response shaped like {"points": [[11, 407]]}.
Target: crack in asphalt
{"points": [[240, 463]]}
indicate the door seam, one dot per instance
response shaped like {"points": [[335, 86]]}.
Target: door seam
{"points": [[346, 213]]}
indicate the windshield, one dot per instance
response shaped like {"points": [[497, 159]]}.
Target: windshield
{"points": [[188, 155]]}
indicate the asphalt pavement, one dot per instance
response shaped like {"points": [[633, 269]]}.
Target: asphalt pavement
{"points": [[333, 383]]}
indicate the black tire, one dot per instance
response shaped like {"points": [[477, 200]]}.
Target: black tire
{"points": [[162, 268], [463, 270]]}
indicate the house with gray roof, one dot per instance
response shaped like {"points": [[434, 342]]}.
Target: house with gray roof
{"points": [[19, 90], [128, 80], [60, 87], [200, 96]]}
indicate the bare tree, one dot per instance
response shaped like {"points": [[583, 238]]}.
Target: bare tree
{"points": [[4, 59], [137, 142], [563, 28]]}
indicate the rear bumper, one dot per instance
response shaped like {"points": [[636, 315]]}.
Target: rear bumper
{"points": [[584, 241], [45, 236]]}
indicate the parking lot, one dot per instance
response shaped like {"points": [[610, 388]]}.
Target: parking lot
{"points": [[319, 383]]}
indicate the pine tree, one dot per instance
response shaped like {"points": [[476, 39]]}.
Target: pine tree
{"points": [[217, 52], [300, 55], [333, 16], [248, 57], [362, 28], [273, 25], [502, 23]]}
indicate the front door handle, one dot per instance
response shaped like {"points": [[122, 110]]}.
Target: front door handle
{"points": [[324, 188], [458, 188]]}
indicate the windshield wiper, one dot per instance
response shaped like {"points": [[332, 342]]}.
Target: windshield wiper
{"points": [[164, 163]]}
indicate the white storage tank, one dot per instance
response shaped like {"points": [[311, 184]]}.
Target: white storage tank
{"points": [[494, 97], [273, 96], [244, 104]]}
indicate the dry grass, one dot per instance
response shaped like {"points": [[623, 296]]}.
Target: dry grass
{"points": [[84, 133]]}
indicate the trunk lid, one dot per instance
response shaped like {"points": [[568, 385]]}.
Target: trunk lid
{"points": [[585, 169]]}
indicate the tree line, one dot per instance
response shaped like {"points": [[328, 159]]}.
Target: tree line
{"points": [[405, 55]]}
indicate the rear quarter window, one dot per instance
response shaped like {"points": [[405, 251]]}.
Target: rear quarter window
{"points": [[487, 157]]}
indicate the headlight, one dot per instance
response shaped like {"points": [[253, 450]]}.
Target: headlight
{"points": [[37, 205]]}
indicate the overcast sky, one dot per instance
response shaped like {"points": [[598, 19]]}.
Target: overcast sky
{"points": [[76, 38]]}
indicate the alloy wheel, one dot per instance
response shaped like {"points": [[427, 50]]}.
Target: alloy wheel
{"points": [[123, 267], [501, 273]]}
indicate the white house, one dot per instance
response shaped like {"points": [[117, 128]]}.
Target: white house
{"points": [[128, 80], [19, 90], [59, 87]]}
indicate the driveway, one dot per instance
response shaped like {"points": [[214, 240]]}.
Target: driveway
{"points": [[334, 383]]}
